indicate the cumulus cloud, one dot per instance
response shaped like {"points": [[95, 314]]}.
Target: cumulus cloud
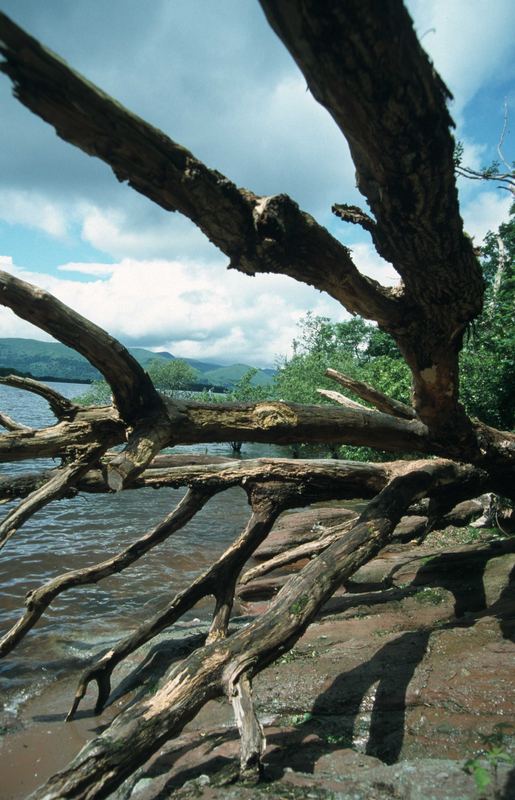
{"points": [[138, 231], [34, 210], [470, 42], [371, 264], [238, 101], [192, 309], [486, 212]]}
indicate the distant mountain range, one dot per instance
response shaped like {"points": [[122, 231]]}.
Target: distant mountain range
{"points": [[52, 360]]}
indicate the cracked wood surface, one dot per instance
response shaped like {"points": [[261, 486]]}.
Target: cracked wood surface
{"points": [[214, 669], [258, 234]]}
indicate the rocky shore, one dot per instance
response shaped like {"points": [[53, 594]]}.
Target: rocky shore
{"points": [[406, 676]]}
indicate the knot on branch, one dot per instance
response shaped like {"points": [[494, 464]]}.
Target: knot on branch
{"points": [[271, 415]]}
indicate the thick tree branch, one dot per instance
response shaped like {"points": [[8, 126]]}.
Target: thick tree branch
{"points": [[378, 399], [363, 63], [259, 234], [215, 669], [269, 421], [133, 391]]}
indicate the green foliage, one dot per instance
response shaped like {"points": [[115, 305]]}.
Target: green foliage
{"points": [[247, 390], [167, 376], [171, 376], [484, 767], [355, 348], [488, 357], [388, 374], [97, 394]]}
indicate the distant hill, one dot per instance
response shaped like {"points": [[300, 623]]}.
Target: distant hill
{"points": [[47, 360], [227, 376]]}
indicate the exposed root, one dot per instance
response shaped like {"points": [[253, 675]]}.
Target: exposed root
{"points": [[218, 580]]}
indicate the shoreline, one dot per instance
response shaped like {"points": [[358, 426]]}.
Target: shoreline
{"points": [[381, 687]]}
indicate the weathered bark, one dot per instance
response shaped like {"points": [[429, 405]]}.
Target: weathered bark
{"points": [[216, 668], [133, 391], [269, 421], [259, 234], [378, 399], [409, 527], [362, 61], [364, 64]]}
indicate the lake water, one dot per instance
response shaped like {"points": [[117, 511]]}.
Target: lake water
{"points": [[77, 532]]}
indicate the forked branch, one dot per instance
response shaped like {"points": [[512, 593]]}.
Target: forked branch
{"points": [[258, 234], [133, 391], [216, 668]]}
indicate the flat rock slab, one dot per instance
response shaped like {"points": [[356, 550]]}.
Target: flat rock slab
{"points": [[294, 528], [373, 695], [364, 706]]}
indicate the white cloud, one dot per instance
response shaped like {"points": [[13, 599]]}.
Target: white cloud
{"points": [[132, 233], [32, 209], [470, 41], [486, 212], [198, 310], [370, 263], [88, 268]]}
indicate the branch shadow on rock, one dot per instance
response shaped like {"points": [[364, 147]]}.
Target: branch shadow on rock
{"points": [[366, 706]]}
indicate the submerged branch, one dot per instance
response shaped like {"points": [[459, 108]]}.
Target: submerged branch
{"points": [[38, 600], [258, 234]]}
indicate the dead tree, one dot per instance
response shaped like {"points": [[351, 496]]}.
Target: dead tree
{"points": [[363, 63]]}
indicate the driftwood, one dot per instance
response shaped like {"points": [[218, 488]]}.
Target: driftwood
{"points": [[372, 76]]}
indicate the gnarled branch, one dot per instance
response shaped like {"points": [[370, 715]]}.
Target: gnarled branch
{"points": [[216, 668], [259, 234], [60, 405], [133, 391]]}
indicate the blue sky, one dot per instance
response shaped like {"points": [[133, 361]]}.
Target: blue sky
{"points": [[214, 77]]}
